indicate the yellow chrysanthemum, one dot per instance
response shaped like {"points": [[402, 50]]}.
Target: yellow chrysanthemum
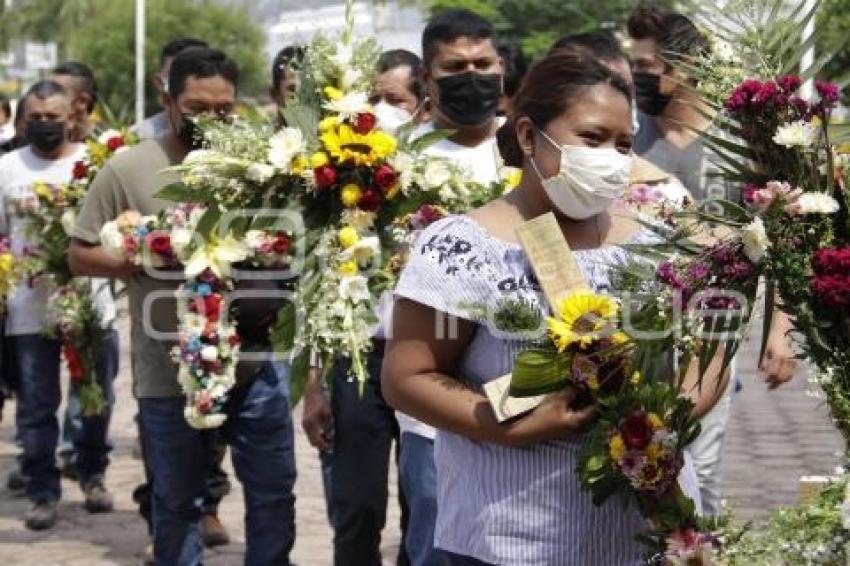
{"points": [[513, 178], [333, 93], [583, 315], [636, 378], [347, 146], [299, 163], [655, 421], [43, 190], [348, 268], [653, 452], [328, 123], [616, 447], [348, 236], [350, 195], [318, 159], [7, 273]]}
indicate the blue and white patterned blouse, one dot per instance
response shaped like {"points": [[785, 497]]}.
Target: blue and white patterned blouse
{"points": [[504, 505]]}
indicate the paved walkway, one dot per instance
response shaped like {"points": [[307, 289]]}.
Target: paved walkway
{"points": [[775, 437]]}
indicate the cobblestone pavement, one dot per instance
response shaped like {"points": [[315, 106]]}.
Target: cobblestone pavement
{"points": [[775, 437]]}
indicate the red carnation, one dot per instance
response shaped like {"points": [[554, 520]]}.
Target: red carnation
{"points": [[789, 83], [370, 201], [829, 92], [833, 290], [281, 244], [113, 143], [325, 176], [75, 363], [385, 177], [204, 402], [212, 307], [365, 123], [636, 431], [81, 170], [159, 242]]}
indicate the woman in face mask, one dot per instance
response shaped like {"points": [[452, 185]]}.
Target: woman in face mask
{"points": [[507, 493]]}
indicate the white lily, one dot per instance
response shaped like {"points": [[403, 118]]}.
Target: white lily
{"points": [[364, 250], [217, 255]]}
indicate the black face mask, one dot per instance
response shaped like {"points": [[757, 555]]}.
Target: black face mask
{"points": [[45, 136], [189, 133], [650, 100], [470, 98]]}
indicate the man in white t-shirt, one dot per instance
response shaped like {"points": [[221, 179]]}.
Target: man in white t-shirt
{"points": [[49, 158], [463, 73]]}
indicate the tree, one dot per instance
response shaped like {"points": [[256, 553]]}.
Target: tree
{"points": [[100, 33], [536, 24], [833, 29]]}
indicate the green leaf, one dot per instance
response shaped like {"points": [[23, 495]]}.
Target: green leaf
{"points": [[178, 192], [208, 222], [298, 377], [769, 301], [422, 143], [537, 372]]}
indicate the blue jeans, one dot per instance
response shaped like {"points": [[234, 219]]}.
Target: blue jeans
{"points": [[259, 430], [85, 440], [418, 477]]}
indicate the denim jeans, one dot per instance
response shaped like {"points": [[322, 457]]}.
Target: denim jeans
{"points": [[259, 431], [85, 440], [418, 478], [364, 430]]}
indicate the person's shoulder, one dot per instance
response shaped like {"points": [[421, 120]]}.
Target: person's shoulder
{"points": [[145, 155]]}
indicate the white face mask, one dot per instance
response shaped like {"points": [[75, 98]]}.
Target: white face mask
{"points": [[589, 180], [391, 118]]}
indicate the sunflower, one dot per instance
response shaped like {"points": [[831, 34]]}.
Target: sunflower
{"points": [[347, 146], [583, 318]]}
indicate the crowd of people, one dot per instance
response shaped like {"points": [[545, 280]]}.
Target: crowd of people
{"points": [[471, 490]]}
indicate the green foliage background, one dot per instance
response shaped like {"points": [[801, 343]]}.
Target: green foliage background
{"points": [[100, 33]]}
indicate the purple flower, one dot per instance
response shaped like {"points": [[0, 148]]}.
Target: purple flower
{"points": [[765, 94], [666, 272], [698, 271], [829, 92], [789, 83]]}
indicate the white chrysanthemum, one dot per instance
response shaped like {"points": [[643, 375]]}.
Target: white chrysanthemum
{"points": [[360, 220], [436, 173], [200, 421], [254, 238], [108, 135], [112, 239], [795, 134], [354, 289], [816, 203], [259, 172], [755, 240], [284, 146], [180, 239], [199, 156], [68, 220], [349, 105], [209, 353]]}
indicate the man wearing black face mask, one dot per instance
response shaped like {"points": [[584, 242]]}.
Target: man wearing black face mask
{"points": [[670, 117], [49, 158], [259, 425]]}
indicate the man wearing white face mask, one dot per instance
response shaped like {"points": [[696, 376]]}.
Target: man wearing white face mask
{"points": [[399, 95]]}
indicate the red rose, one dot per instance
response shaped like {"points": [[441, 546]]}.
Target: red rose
{"points": [[281, 244], [325, 176], [636, 431], [385, 177], [212, 307], [113, 143], [159, 243], [81, 170], [233, 340], [204, 402], [364, 123], [370, 201]]}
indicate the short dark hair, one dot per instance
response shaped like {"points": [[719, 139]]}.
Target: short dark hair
{"points": [[448, 25], [396, 58], [515, 65], [5, 106], [84, 76], [41, 90], [675, 34], [178, 45], [549, 90], [202, 62], [601, 44], [289, 56]]}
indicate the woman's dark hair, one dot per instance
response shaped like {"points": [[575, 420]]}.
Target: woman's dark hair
{"points": [[549, 89], [675, 35], [201, 62]]}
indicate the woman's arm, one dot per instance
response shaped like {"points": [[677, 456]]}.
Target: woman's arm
{"points": [[706, 393], [417, 380]]}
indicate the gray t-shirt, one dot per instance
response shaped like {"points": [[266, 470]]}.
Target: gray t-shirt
{"points": [[694, 165]]}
